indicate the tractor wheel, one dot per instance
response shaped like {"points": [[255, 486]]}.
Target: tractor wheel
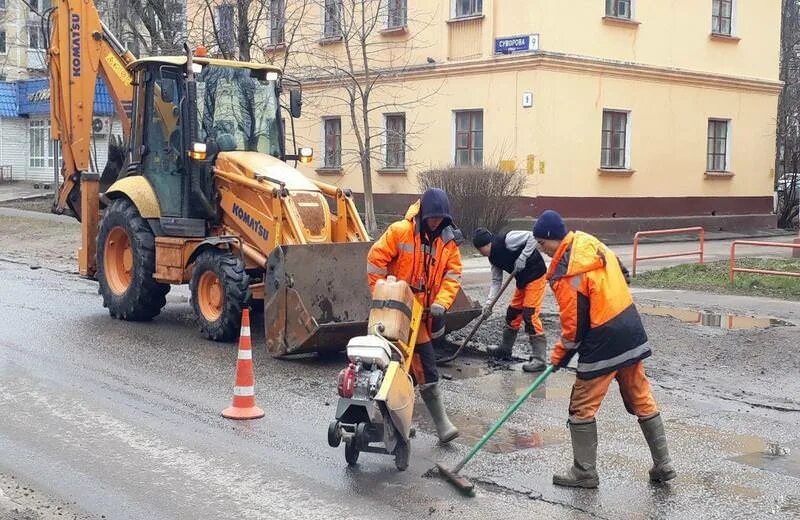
{"points": [[219, 291], [126, 260]]}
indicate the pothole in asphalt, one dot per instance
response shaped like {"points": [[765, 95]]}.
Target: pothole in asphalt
{"points": [[775, 458], [713, 319]]}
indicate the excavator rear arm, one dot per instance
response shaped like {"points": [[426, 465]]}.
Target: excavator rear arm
{"points": [[81, 47]]}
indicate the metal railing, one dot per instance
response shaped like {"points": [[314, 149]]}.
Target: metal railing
{"points": [[673, 231], [734, 269]]}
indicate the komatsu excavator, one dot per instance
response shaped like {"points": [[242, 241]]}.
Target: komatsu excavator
{"points": [[203, 194]]}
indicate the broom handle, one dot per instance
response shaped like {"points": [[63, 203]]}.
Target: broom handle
{"points": [[513, 408]]}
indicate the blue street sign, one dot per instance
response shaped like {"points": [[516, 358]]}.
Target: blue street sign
{"points": [[509, 44]]}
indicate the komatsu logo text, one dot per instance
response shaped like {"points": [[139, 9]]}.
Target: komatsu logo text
{"points": [[252, 223], [75, 36]]}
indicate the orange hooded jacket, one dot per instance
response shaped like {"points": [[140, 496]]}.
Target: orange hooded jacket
{"points": [[432, 270], [598, 318]]}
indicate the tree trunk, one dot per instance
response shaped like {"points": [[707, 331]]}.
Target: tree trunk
{"points": [[366, 173]]}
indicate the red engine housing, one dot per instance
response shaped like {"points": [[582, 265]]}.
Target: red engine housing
{"points": [[347, 381]]}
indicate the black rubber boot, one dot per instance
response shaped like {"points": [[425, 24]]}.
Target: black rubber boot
{"points": [[505, 348], [537, 362], [583, 472], [653, 429], [432, 395]]}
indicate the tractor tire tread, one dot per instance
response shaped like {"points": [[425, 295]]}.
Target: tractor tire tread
{"points": [[235, 282]]}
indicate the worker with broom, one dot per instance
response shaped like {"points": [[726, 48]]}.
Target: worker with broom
{"points": [[515, 253], [422, 249], [600, 323]]}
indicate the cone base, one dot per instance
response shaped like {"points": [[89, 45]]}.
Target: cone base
{"points": [[253, 412]]}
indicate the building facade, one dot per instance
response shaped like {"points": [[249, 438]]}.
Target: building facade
{"points": [[611, 108]]}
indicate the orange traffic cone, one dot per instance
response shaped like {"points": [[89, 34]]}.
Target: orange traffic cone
{"points": [[244, 398]]}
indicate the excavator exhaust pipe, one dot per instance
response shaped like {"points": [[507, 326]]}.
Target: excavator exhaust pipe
{"points": [[313, 306]]}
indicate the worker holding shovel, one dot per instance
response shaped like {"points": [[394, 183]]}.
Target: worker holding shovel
{"points": [[515, 253], [601, 324]]}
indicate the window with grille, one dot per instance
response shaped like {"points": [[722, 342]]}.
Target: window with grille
{"points": [[619, 8], [333, 142], [722, 17], [225, 28], [614, 151], [276, 21], [333, 19], [717, 154], [395, 140], [468, 8], [469, 138], [396, 13], [35, 37], [41, 151]]}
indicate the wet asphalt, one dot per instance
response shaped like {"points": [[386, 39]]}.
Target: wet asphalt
{"points": [[122, 420]]}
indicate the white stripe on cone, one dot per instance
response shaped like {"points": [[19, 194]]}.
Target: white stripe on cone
{"points": [[245, 354], [243, 391], [245, 331]]}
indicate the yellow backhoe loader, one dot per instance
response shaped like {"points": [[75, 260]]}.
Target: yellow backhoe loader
{"points": [[203, 194]]}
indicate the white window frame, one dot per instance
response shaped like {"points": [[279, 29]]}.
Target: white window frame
{"points": [[385, 140], [734, 17], [282, 10], [390, 25], [628, 134], [728, 140], [324, 10], [40, 128], [453, 9], [324, 143], [453, 124], [632, 9]]}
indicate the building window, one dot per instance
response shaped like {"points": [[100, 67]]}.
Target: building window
{"points": [[722, 17], [225, 31], [717, 156], [469, 138], [276, 21], [333, 19], [332, 142], [614, 151], [38, 6], [395, 141], [2, 41], [619, 8], [35, 37], [468, 8], [2, 5], [41, 149], [397, 10]]}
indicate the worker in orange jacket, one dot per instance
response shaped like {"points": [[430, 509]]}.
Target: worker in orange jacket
{"points": [[422, 249], [600, 323]]}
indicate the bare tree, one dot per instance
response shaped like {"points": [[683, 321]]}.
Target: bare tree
{"points": [[787, 163], [362, 72], [152, 27]]}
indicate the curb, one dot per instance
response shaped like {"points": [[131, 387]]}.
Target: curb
{"points": [[27, 197]]}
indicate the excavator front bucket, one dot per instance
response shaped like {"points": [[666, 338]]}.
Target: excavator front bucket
{"points": [[313, 305]]}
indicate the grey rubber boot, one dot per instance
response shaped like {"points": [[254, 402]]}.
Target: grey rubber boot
{"points": [[653, 429], [538, 352], [504, 349], [432, 395], [583, 472]]}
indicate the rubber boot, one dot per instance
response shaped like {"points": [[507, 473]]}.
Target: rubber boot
{"points": [[537, 362], [653, 429], [432, 395], [504, 349], [583, 472]]}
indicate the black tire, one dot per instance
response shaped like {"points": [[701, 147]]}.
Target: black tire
{"points": [[334, 439], [351, 452], [233, 282], [402, 452], [144, 297]]}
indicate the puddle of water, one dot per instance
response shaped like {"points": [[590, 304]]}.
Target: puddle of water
{"points": [[776, 459], [713, 319], [465, 370]]}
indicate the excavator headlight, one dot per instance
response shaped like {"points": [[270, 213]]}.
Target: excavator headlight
{"points": [[306, 154], [198, 151], [272, 76]]}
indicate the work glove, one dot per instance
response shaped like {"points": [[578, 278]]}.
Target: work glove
{"points": [[519, 265], [437, 310], [560, 356]]}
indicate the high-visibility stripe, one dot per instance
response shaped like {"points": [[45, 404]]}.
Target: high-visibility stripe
{"points": [[616, 360], [429, 250], [374, 269], [576, 281], [244, 391], [245, 354], [452, 275], [406, 247], [245, 331], [569, 345], [437, 333]]}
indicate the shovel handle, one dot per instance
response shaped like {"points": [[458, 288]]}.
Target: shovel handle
{"points": [[511, 409]]}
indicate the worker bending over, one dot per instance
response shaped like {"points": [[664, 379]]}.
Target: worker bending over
{"points": [[515, 252], [601, 324], [422, 250]]}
